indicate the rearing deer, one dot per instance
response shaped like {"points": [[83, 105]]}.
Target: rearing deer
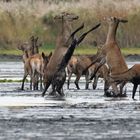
{"points": [[62, 44], [59, 76], [111, 54]]}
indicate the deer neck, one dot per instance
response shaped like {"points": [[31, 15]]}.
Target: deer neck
{"points": [[111, 36], [66, 30]]}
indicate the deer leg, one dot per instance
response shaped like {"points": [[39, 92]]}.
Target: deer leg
{"points": [[134, 90], [69, 77], [115, 90], [60, 84], [87, 80], [37, 82], [40, 82], [84, 34], [77, 81], [59, 89], [31, 82], [47, 84], [53, 92], [121, 88], [34, 80], [24, 77], [95, 81], [106, 88]]}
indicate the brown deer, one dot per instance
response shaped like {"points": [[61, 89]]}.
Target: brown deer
{"points": [[62, 43], [103, 72], [35, 65], [77, 66], [131, 75], [58, 77], [30, 50], [111, 54]]}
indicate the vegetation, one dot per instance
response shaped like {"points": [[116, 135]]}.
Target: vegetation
{"points": [[19, 19]]}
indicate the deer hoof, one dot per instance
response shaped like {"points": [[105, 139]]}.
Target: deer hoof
{"points": [[94, 87], [108, 94], [134, 99]]}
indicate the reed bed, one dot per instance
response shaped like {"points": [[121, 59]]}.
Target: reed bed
{"points": [[19, 19]]}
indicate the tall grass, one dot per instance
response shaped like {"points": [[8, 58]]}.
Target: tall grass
{"points": [[21, 19]]}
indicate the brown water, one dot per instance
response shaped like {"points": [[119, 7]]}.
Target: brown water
{"points": [[80, 115]]}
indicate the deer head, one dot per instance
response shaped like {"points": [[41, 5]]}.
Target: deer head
{"points": [[46, 59], [112, 20], [66, 16]]}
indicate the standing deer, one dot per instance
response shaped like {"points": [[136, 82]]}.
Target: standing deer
{"points": [[111, 54], [32, 60], [35, 65], [30, 48], [77, 65], [58, 78], [132, 75]]}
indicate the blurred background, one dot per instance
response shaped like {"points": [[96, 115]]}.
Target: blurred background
{"points": [[20, 19]]}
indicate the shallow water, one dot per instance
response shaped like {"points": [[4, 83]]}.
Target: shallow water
{"points": [[80, 115]]}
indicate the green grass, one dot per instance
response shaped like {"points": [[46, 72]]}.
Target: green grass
{"points": [[10, 80], [80, 50], [125, 51]]}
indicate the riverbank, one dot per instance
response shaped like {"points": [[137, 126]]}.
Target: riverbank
{"points": [[12, 57]]}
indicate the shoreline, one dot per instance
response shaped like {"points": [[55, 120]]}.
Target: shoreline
{"points": [[7, 57]]}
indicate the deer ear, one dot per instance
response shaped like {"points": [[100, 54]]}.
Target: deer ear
{"points": [[123, 20], [32, 38], [50, 55], [36, 39], [43, 55], [26, 54], [20, 47]]}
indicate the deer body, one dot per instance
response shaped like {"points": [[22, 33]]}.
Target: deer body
{"points": [[77, 65], [62, 45], [58, 77], [132, 75], [114, 57], [111, 54], [32, 62], [103, 72], [32, 65]]}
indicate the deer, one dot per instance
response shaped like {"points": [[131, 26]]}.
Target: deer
{"points": [[110, 54], [30, 50], [62, 43], [59, 76], [77, 65], [35, 64], [103, 72], [131, 75]]}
